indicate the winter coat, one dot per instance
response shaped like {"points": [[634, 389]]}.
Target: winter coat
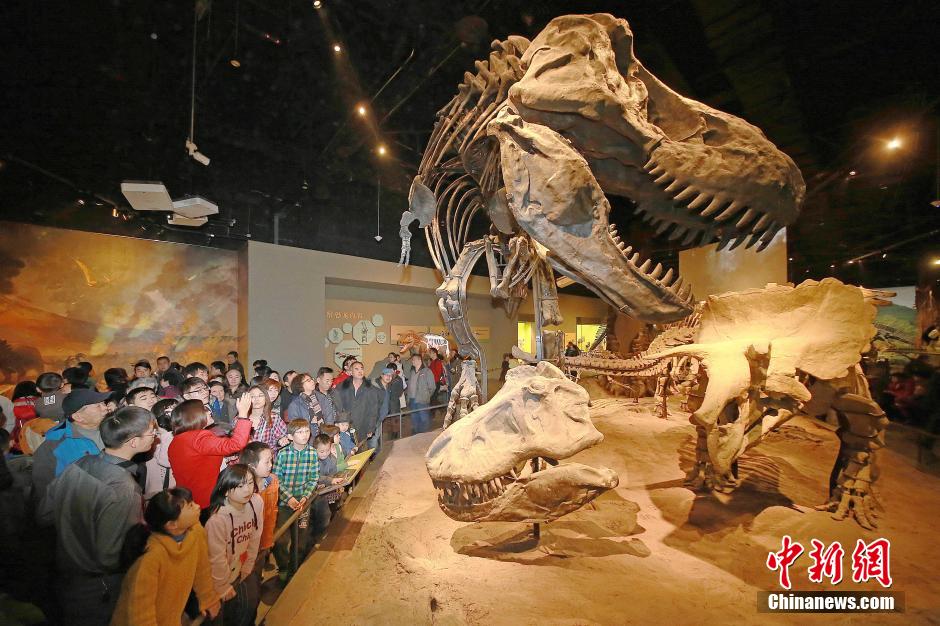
{"points": [[362, 406], [196, 458], [92, 504], [157, 586], [421, 386]]}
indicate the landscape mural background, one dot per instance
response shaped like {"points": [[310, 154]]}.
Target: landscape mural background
{"points": [[112, 299]]}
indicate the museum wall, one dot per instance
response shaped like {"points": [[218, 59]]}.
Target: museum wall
{"points": [[110, 299], [710, 272], [287, 298], [326, 291]]}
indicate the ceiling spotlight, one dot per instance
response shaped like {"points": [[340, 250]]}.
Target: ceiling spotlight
{"points": [[81, 202], [884, 255], [337, 48], [317, 4], [853, 173], [361, 110], [894, 143], [789, 258], [382, 150], [851, 261], [114, 212], [235, 63], [936, 261], [304, 185], [832, 265]]}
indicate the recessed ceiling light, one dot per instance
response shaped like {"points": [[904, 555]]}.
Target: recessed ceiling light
{"points": [[337, 47]]}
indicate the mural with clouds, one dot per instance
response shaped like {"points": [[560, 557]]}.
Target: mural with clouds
{"points": [[112, 299]]}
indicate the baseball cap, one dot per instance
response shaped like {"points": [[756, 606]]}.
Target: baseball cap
{"points": [[389, 370], [80, 398], [143, 363]]}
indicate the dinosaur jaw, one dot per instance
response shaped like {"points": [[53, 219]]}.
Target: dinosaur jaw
{"points": [[525, 495]]}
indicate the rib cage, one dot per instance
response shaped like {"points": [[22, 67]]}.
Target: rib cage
{"points": [[460, 164]]}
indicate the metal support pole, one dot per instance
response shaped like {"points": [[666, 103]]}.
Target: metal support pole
{"points": [[294, 540], [537, 301]]}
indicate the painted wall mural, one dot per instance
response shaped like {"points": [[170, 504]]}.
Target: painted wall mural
{"points": [[112, 299]]}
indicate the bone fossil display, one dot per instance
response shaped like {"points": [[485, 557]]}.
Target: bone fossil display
{"points": [[500, 462], [540, 133]]}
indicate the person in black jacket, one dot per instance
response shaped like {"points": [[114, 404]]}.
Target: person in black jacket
{"points": [[362, 402], [393, 388]]}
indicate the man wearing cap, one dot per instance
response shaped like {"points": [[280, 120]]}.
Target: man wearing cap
{"points": [[74, 438], [392, 388]]}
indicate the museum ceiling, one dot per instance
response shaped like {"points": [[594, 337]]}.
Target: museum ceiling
{"points": [[99, 92]]}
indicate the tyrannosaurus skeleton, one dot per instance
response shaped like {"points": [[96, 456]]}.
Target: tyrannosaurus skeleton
{"points": [[536, 138]]}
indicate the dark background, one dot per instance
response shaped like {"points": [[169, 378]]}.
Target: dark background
{"points": [[99, 92]]}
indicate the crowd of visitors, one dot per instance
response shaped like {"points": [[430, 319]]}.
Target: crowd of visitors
{"points": [[156, 494]]}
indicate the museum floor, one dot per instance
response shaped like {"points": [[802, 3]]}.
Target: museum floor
{"points": [[650, 551]]}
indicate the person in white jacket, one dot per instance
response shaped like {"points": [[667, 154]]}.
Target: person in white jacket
{"points": [[234, 533]]}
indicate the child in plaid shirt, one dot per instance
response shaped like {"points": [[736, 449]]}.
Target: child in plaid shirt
{"points": [[297, 469]]}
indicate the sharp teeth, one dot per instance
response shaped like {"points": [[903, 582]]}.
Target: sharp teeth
{"points": [[690, 237], [649, 164], [725, 240], [761, 223], [754, 238], [663, 179], [686, 292], [749, 215], [738, 240], [713, 206], [700, 201], [685, 195], [675, 286], [635, 258], [657, 271], [621, 245], [659, 169], [675, 186], [615, 237], [667, 278], [646, 266], [628, 250], [731, 210], [663, 227]]}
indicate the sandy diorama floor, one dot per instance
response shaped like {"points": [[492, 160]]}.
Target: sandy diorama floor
{"points": [[650, 551]]}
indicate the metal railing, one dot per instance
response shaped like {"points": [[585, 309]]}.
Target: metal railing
{"points": [[290, 524]]}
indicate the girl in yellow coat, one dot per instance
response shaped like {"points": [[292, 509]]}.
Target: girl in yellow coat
{"points": [[170, 558]]}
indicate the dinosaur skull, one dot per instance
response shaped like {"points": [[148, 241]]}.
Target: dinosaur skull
{"points": [[499, 462], [587, 118]]}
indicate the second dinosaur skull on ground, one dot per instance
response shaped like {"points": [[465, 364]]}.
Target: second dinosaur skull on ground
{"points": [[500, 462]]}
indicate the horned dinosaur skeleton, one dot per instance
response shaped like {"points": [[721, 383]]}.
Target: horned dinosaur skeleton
{"points": [[764, 356], [500, 463]]}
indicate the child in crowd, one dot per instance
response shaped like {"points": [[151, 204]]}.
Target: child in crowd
{"points": [[297, 470], [170, 558], [260, 458], [329, 466], [347, 436], [236, 514], [333, 431], [159, 474]]}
